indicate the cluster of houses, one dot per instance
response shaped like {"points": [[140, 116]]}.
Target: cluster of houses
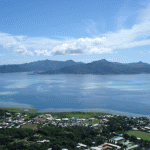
{"points": [[10, 121], [19, 120]]}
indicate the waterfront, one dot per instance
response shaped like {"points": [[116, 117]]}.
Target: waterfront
{"points": [[123, 94]]}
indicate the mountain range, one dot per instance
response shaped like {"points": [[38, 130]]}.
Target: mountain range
{"points": [[37, 66], [70, 67]]}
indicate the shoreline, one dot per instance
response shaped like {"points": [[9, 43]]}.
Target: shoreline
{"points": [[108, 111], [59, 110]]}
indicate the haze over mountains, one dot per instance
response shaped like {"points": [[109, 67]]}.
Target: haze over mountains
{"points": [[38, 66], [70, 67]]}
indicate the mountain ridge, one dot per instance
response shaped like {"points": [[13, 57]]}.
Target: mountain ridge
{"points": [[71, 67], [37, 66], [103, 67]]}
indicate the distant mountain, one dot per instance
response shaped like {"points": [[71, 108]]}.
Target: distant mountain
{"points": [[103, 67], [70, 67], [37, 66], [11, 68]]}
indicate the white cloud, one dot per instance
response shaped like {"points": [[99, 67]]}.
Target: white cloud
{"points": [[1, 54], [14, 105], [138, 35], [141, 52], [8, 93]]}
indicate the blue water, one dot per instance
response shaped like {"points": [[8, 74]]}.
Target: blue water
{"points": [[120, 93]]}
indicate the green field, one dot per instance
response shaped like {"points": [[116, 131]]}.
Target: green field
{"points": [[30, 126], [93, 122], [142, 135], [19, 109], [85, 115]]}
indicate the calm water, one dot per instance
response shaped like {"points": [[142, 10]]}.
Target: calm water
{"points": [[115, 93]]}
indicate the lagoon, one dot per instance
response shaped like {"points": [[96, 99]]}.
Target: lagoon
{"points": [[125, 94]]}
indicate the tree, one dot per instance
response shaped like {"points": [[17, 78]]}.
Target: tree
{"points": [[133, 138], [126, 136]]}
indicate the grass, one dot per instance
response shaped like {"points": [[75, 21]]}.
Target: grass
{"points": [[30, 126], [17, 110], [142, 135], [93, 122], [23, 140], [85, 115]]}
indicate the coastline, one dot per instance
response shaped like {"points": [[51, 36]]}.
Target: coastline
{"points": [[108, 111], [96, 110]]}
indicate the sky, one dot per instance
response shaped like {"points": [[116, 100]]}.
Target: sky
{"points": [[81, 30]]}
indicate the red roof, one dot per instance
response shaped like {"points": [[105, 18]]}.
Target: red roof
{"points": [[36, 135]]}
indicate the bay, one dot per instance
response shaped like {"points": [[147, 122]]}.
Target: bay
{"points": [[124, 94]]}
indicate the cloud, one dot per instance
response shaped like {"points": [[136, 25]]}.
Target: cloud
{"points": [[136, 36], [14, 105], [92, 27], [2, 54], [23, 51], [8, 93], [141, 52]]}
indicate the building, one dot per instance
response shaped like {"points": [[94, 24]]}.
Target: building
{"points": [[118, 139], [81, 145], [110, 145], [96, 148], [91, 119], [65, 120]]}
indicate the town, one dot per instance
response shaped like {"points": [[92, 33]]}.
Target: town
{"points": [[29, 129]]}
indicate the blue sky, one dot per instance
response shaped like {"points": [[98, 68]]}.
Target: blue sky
{"points": [[81, 30]]}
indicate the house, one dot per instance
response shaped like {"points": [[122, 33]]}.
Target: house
{"points": [[81, 145], [102, 122], [17, 113], [110, 145], [105, 120], [96, 148], [40, 116], [118, 139], [80, 120], [57, 120], [48, 115], [44, 141], [10, 120], [65, 119], [132, 147], [21, 122], [135, 129], [147, 128], [91, 119], [36, 136], [8, 114], [49, 119], [107, 147]]}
